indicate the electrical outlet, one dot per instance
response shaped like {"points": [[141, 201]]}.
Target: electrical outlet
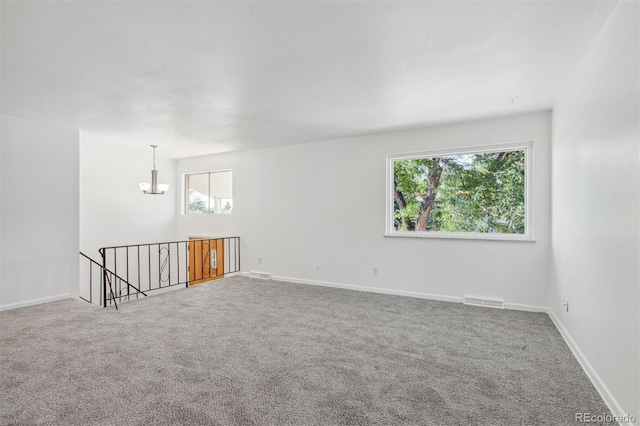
{"points": [[375, 271], [259, 260]]}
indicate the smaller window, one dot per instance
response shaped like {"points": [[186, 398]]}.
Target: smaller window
{"points": [[209, 192]]}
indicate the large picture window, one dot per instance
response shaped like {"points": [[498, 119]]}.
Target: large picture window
{"points": [[209, 192], [467, 193]]}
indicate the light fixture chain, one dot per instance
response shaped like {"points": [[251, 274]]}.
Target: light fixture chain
{"points": [[154, 155]]}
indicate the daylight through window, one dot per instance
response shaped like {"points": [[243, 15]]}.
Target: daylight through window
{"points": [[476, 193], [209, 193]]}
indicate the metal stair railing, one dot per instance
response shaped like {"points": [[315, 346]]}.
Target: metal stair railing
{"points": [[111, 279], [156, 266]]}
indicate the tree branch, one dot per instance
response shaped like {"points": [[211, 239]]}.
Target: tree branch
{"points": [[433, 180]]}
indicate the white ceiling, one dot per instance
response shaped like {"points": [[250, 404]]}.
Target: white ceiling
{"points": [[205, 77]]}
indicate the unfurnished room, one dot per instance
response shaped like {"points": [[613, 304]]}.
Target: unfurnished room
{"points": [[320, 212]]}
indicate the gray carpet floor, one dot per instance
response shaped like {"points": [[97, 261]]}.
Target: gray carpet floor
{"points": [[250, 352]]}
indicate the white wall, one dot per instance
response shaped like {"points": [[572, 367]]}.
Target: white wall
{"points": [[39, 229], [595, 238], [324, 203], [1, 203], [113, 210]]}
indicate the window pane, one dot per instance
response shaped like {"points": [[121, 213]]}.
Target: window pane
{"points": [[471, 192], [209, 193], [221, 195], [197, 193]]}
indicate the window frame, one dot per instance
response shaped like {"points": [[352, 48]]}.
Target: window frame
{"points": [[526, 146], [185, 189]]}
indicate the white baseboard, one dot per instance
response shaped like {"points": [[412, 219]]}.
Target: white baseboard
{"points": [[420, 295], [370, 289], [602, 389], [35, 302], [527, 308]]}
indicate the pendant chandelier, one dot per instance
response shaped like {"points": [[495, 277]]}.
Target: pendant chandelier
{"points": [[154, 187]]}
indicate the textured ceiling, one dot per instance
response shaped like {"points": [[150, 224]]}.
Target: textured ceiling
{"points": [[205, 77]]}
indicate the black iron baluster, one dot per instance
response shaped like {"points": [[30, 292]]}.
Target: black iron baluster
{"points": [[202, 258], [104, 276], [139, 281], [91, 281], [115, 269], [149, 259], [187, 258], [128, 286], [178, 260]]}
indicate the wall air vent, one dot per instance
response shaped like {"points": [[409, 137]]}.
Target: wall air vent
{"points": [[488, 302], [260, 275]]}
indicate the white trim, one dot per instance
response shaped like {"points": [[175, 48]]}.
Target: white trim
{"points": [[526, 146], [419, 295], [472, 149], [185, 192], [461, 236], [35, 301], [205, 236], [369, 289], [602, 389], [526, 308]]}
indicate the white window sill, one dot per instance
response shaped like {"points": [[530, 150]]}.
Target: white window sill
{"points": [[461, 236]]}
